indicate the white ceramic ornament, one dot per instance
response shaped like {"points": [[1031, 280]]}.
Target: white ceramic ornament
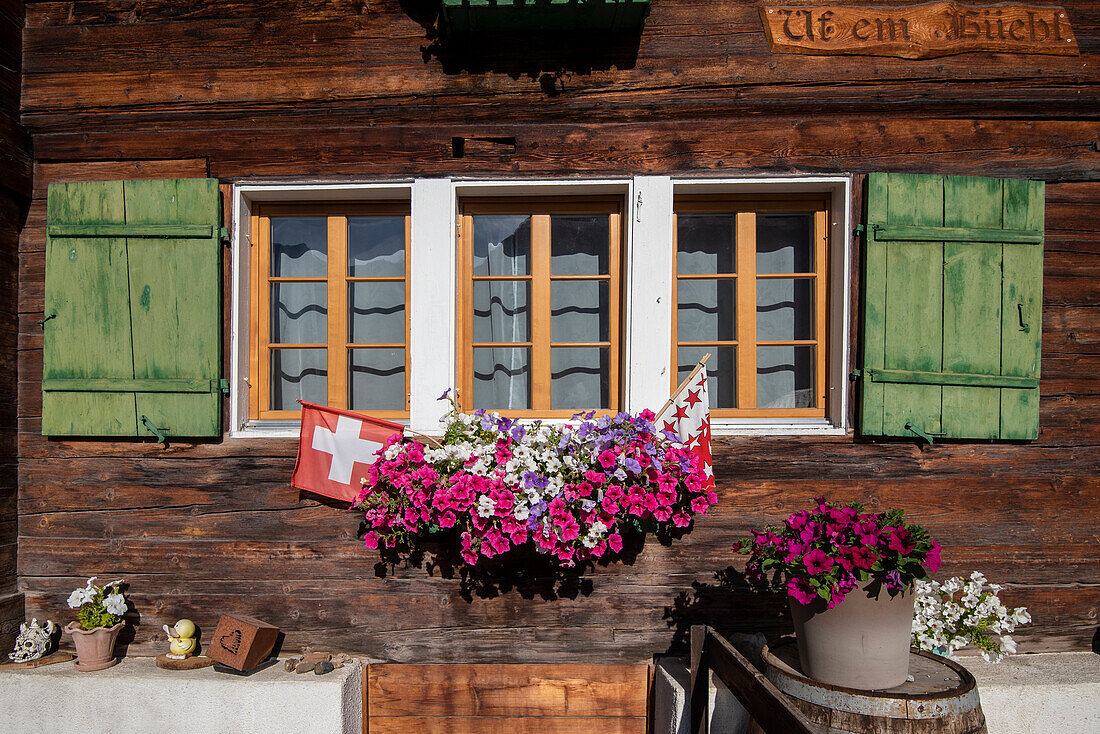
{"points": [[33, 641]]}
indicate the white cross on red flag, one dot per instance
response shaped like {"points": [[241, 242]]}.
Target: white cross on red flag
{"points": [[689, 418], [335, 449]]}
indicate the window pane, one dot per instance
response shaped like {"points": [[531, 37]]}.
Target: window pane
{"points": [[299, 313], [705, 310], [376, 379], [580, 378], [299, 247], [298, 373], [376, 313], [784, 243], [502, 378], [704, 244], [721, 372], [502, 244], [376, 246], [578, 245], [500, 310], [784, 309], [578, 311], [785, 377]]}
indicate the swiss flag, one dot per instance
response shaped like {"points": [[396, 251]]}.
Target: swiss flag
{"points": [[335, 448], [689, 418]]}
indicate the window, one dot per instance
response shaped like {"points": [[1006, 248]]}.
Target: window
{"points": [[539, 291], [329, 308], [750, 288]]}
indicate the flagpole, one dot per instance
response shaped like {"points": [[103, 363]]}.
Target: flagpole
{"points": [[425, 436], [682, 385]]}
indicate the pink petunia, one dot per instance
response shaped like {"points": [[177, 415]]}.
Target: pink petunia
{"points": [[817, 562]]}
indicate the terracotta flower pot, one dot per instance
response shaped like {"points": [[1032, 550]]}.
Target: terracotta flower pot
{"points": [[95, 649], [863, 642]]}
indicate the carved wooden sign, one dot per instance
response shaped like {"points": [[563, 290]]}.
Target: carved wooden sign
{"points": [[918, 31]]}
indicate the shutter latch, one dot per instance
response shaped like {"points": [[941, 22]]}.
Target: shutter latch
{"points": [[54, 316], [854, 375], [223, 235], [926, 436], [1023, 324], [158, 432]]}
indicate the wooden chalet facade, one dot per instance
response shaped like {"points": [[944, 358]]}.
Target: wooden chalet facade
{"points": [[360, 103]]}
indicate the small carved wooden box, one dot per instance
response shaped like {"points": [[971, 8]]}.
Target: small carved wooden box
{"points": [[241, 642]]}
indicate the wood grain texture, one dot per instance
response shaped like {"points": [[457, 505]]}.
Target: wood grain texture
{"points": [[247, 90], [440, 699], [512, 725], [15, 191], [602, 691]]}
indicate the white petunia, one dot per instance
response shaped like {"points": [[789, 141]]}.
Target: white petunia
{"points": [[485, 505], [115, 604], [79, 598]]}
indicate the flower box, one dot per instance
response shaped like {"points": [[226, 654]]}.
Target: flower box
{"points": [[569, 492]]}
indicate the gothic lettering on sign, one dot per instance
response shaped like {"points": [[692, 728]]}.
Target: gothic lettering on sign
{"points": [[919, 31]]}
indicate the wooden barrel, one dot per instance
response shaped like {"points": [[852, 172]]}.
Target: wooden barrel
{"points": [[941, 698]]}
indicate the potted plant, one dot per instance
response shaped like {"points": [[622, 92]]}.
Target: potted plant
{"points": [[944, 623], [849, 579], [567, 490], [99, 621]]}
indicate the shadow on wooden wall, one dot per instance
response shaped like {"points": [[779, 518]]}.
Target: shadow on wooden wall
{"points": [[730, 606], [550, 58]]}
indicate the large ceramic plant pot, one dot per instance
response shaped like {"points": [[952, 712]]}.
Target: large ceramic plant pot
{"points": [[95, 649], [863, 642]]}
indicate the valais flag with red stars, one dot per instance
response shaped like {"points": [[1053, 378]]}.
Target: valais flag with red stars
{"points": [[689, 418], [335, 449]]}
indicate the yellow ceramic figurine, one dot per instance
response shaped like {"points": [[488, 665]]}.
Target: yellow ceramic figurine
{"points": [[181, 640]]}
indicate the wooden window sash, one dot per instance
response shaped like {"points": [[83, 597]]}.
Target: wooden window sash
{"points": [[744, 209], [540, 344], [338, 347]]}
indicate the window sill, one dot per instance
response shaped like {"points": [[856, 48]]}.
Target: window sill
{"points": [[775, 427], [281, 429], [719, 427]]}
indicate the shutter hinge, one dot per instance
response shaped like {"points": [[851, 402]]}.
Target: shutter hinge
{"points": [[855, 375], [223, 234], [927, 436], [158, 432], [860, 229], [224, 385]]}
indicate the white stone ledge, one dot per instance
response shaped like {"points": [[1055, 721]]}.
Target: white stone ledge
{"points": [[137, 696], [1043, 693]]}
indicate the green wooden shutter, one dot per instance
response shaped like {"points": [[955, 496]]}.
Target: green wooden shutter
{"points": [[952, 307], [133, 301]]}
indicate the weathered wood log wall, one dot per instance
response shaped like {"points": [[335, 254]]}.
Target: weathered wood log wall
{"points": [[15, 190], [358, 89]]}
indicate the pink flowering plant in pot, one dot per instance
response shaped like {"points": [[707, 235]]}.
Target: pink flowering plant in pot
{"points": [[569, 491], [834, 562]]}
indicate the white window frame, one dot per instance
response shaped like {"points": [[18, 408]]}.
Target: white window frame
{"points": [[647, 287], [839, 189]]}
